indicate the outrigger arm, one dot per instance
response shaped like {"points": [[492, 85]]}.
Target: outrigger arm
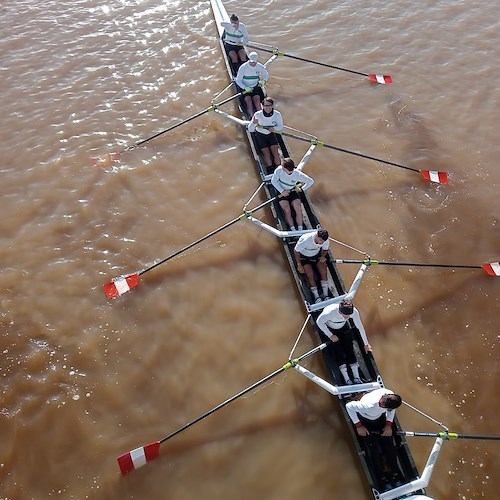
{"points": [[417, 484], [290, 234], [337, 390], [278, 232]]}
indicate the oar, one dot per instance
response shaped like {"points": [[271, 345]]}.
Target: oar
{"points": [[114, 156], [122, 284], [448, 435], [140, 456], [383, 79], [430, 175], [492, 268]]}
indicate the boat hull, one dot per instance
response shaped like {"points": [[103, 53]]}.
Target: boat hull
{"points": [[366, 360]]}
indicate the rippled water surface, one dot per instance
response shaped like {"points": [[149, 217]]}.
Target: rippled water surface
{"points": [[84, 379]]}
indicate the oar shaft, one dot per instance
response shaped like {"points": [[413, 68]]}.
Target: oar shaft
{"points": [[207, 110], [449, 435], [329, 146], [191, 245], [279, 53], [209, 235], [221, 405], [408, 264], [478, 436], [170, 128], [285, 367]]}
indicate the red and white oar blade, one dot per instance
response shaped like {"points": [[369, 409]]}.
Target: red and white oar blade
{"points": [[492, 268], [435, 176], [121, 285], [137, 458], [107, 160], [383, 79]]}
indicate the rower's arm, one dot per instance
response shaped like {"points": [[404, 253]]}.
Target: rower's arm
{"points": [[321, 322]]}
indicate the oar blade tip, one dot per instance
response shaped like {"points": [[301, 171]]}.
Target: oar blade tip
{"points": [[120, 285], [492, 268], [435, 176], [382, 79], [107, 160], [137, 458]]}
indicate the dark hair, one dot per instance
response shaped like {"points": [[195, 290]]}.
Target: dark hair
{"points": [[323, 234], [268, 100], [233, 18], [346, 307], [392, 401], [288, 164]]}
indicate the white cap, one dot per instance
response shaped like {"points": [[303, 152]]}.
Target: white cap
{"points": [[253, 56]]}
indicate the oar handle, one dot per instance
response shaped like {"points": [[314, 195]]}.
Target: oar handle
{"points": [[361, 155], [283, 54], [408, 264]]}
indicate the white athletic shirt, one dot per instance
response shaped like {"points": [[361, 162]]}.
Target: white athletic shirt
{"points": [[331, 317], [308, 247], [283, 181], [235, 36], [249, 76], [368, 407], [274, 121]]}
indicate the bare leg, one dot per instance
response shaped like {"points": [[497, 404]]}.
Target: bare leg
{"points": [[308, 269], [321, 266], [297, 205], [248, 102], [242, 55], [276, 155], [285, 205], [256, 102], [267, 156], [233, 56], [234, 61]]}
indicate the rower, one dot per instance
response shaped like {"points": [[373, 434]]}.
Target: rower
{"points": [[234, 37], [312, 250], [265, 123], [289, 182], [373, 417], [334, 323], [251, 77]]}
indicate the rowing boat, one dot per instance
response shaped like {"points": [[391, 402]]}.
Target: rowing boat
{"points": [[380, 486]]}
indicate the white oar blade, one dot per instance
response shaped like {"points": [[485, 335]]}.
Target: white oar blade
{"points": [[435, 176], [137, 458], [121, 285], [383, 79], [492, 268]]}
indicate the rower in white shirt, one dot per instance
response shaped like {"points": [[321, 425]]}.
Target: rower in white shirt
{"points": [[289, 182], [265, 123], [234, 37], [250, 78], [311, 251], [333, 322]]}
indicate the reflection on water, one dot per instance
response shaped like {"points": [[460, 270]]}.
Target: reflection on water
{"points": [[84, 379]]}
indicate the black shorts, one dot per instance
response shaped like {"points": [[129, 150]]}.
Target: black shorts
{"points": [[266, 140], [343, 349], [229, 47], [294, 195], [304, 259], [257, 90]]}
